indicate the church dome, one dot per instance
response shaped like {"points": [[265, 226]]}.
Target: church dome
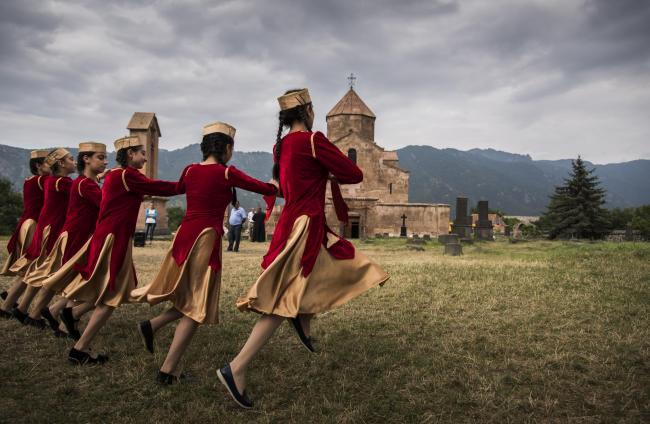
{"points": [[351, 104]]}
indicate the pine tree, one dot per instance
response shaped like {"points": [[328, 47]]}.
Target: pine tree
{"points": [[576, 208]]}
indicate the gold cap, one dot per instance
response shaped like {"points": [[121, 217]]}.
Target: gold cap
{"points": [[92, 146], [297, 98], [36, 154], [219, 127], [129, 141], [55, 155]]}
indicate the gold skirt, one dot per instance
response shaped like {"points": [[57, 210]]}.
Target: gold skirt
{"points": [[50, 265], [24, 266], [282, 289], [193, 288], [24, 239], [95, 289], [65, 275]]}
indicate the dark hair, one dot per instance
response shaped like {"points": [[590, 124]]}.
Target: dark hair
{"points": [[286, 118], [33, 165], [81, 165], [215, 145], [122, 155]]}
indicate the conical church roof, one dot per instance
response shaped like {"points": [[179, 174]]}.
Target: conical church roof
{"points": [[351, 104]]}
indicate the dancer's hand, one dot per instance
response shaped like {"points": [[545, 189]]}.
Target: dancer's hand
{"points": [[103, 174]]}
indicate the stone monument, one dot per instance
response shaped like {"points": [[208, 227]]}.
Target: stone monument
{"points": [[144, 125], [463, 223], [484, 229]]}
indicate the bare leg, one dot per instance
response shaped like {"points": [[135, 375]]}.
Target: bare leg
{"points": [[17, 288], [81, 309], [27, 298], [182, 338], [43, 298], [58, 306], [171, 314], [261, 333], [97, 321]]}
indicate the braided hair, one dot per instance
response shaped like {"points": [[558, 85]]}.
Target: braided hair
{"points": [[214, 145], [286, 118]]}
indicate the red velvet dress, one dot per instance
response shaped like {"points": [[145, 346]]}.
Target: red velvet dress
{"points": [[81, 216], [189, 275], [33, 194], [308, 268], [107, 275], [83, 210], [50, 223]]}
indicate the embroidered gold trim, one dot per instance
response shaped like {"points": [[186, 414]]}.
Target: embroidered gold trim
{"points": [[227, 172], [79, 188], [126, 187], [39, 183], [56, 184], [313, 148]]}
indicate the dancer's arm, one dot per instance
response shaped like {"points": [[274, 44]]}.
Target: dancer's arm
{"points": [[239, 179], [339, 165], [138, 183]]}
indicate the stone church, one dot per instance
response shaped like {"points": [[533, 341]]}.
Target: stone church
{"points": [[378, 204]]}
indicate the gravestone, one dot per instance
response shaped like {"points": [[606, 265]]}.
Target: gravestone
{"points": [[453, 249], [427, 237], [402, 230], [629, 232], [484, 229], [463, 223]]}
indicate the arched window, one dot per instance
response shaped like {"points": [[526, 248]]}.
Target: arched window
{"points": [[352, 154]]}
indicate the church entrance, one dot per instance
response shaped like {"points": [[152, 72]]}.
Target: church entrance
{"points": [[354, 229]]}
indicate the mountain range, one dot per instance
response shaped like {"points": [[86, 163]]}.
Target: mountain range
{"points": [[513, 183]]}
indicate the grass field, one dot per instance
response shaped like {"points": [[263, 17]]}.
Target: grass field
{"points": [[527, 332]]}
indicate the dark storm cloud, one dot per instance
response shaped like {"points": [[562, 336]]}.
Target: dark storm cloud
{"points": [[527, 77]]}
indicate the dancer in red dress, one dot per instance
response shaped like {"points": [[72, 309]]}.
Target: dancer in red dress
{"points": [[50, 223], [83, 209], [33, 193], [190, 275], [308, 269], [108, 276]]}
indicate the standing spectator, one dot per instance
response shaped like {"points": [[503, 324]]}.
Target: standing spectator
{"points": [[251, 212], [259, 232], [150, 214], [236, 220]]}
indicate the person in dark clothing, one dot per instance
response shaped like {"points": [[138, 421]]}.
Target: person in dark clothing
{"points": [[259, 232]]}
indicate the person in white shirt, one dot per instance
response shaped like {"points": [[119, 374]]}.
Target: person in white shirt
{"points": [[250, 224], [236, 220], [151, 215]]}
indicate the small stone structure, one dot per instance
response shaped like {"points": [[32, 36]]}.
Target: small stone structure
{"points": [[452, 245], [463, 223], [483, 230], [144, 125]]}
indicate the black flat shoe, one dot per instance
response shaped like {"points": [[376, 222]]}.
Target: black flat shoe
{"points": [[77, 357], [169, 379], [306, 341], [37, 323], [54, 324], [20, 316], [145, 330], [225, 376], [68, 320]]}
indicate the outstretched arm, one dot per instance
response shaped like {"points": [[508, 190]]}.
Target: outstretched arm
{"points": [[339, 165]]}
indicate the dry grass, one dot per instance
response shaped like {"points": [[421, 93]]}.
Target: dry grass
{"points": [[542, 331]]}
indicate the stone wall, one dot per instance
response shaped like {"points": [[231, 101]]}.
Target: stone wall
{"points": [[382, 180]]}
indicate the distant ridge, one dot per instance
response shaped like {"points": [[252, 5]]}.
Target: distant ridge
{"points": [[513, 183]]}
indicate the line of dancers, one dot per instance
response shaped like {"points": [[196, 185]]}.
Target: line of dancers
{"points": [[74, 240]]}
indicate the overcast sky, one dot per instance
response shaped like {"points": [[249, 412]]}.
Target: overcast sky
{"points": [[552, 79]]}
